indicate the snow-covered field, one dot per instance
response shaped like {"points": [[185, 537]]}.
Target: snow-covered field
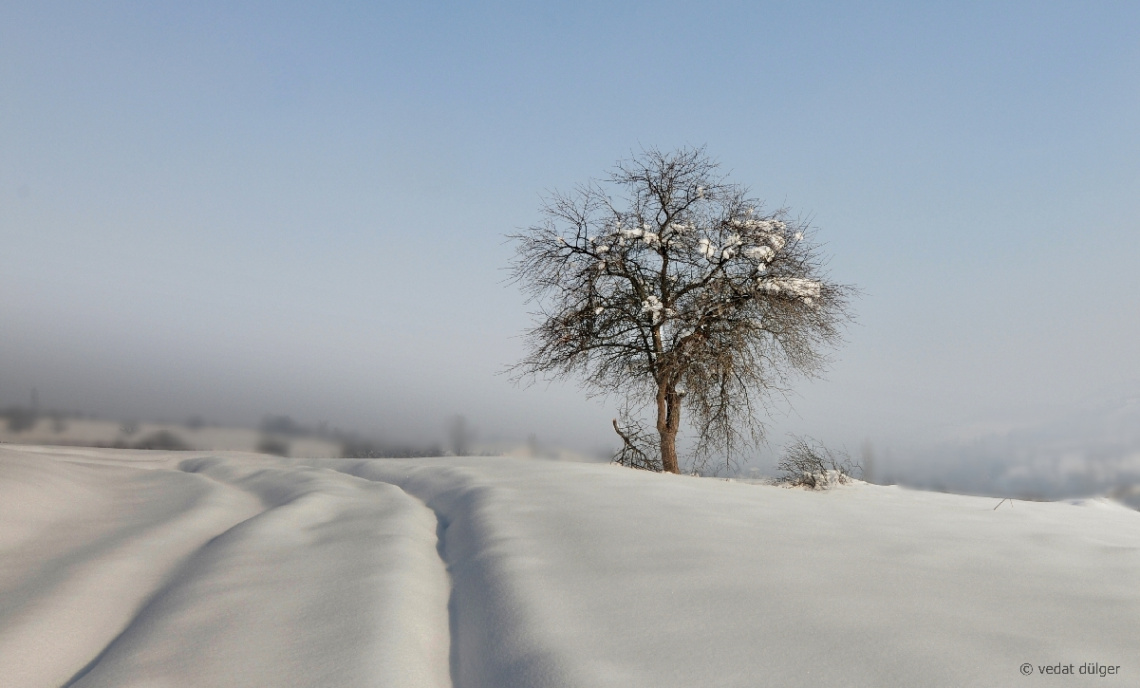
{"points": [[131, 568]]}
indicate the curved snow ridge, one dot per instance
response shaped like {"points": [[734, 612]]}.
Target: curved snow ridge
{"points": [[595, 575], [337, 582], [501, 620], [562, 575], [65, 594]]}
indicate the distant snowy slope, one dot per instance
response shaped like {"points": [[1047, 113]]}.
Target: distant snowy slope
{"points": [[329, 572]]}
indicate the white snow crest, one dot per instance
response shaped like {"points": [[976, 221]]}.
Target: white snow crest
{"points": [[792, 286], [653, 305], [730, 246], [776, 239], [758, 225], [759, 254], [706, 249]]}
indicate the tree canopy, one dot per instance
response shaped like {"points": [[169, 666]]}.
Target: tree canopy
{"points": [[671, 287]]}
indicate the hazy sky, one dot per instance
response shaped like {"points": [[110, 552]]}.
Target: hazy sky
{"points": [[235, 209]]}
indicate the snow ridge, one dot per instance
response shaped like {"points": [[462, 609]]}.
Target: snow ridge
{"points": [[486, 572], [337, 580]]}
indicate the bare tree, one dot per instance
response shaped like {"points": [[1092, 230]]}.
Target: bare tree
{"points": [[672, 288]]}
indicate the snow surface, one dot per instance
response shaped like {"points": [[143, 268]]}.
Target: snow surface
{"points": [[133, 568]]}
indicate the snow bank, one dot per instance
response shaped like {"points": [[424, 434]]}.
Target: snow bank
{"points": [[602, 576], [82, 547], [308, 577], [336, 583], [330, 572]]}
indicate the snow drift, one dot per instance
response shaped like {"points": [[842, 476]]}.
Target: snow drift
{"points": [[121, 568]]}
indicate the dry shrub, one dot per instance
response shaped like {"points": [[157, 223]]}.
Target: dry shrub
{"points": [[807, 463]]}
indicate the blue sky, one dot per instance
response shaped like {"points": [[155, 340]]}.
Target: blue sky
{"points": [[235, 209]]}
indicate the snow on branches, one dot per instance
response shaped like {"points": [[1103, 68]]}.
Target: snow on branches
{"points": [[740, 253], [679, 280]]}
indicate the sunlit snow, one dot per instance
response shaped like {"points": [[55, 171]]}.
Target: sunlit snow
{"points": [[130, 568]]}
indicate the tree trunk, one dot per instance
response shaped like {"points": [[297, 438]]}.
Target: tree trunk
{"points": [[668, 422]]}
